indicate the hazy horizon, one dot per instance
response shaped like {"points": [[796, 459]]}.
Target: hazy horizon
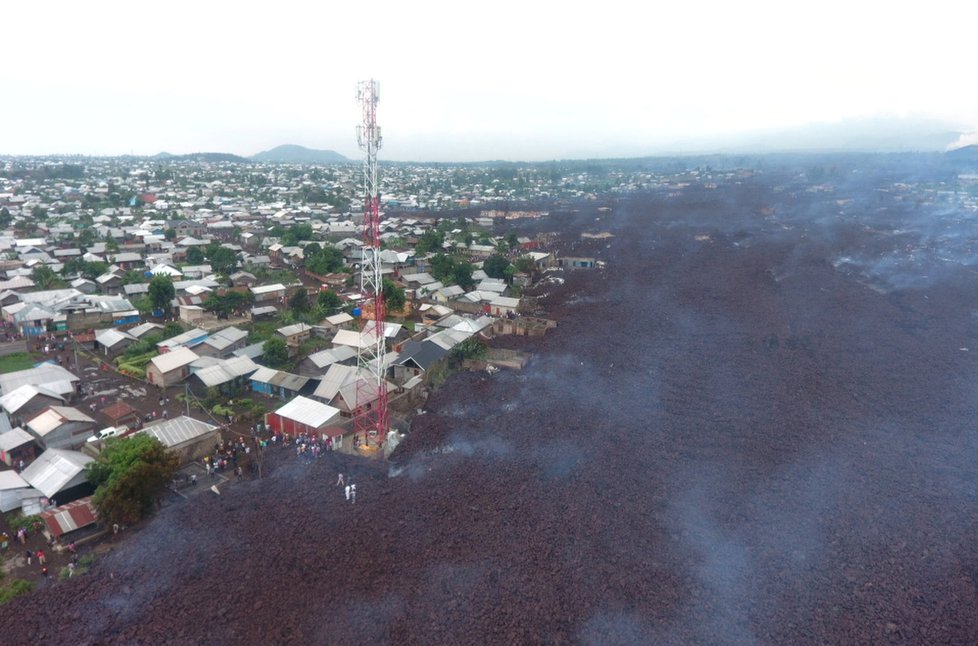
{"points": [[520, 83]]}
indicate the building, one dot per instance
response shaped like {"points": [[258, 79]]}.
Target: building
{"points": [[268, 293], [317, 363], [25, 402], [112, 343], [188, 339], [13, 490], [65, 519], [189, 438], [121, 414], [60, 474], [16, 445], [295, 334], [61, 427], [264, 313], [302, 415], [416, 359], [227, 375], [49, 376], [281, 384], [222, 344], [170, 368]]}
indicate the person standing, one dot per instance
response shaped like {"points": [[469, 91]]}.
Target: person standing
{"points": [[29, 554], [41, 559], [340, 480], [353, 493], [347, 492]]}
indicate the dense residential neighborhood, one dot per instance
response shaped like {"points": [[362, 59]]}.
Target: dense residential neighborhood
{"points": [[202, 303]]}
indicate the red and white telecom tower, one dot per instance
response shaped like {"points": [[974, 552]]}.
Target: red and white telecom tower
{"points": [[372, 419]]}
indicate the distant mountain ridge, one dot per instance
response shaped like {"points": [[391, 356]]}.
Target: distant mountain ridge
{"points": [[291, 153], [206, 157]]}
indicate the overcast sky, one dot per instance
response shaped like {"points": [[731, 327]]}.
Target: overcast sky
{"points": [[465, 81]]}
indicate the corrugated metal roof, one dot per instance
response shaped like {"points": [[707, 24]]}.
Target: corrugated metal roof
{"points": [[264, 375], [12, 401], [67, 518], [265, 289], [325, 358], [307, 411], [297, 328], [178, 430], [55, 468], [112, 336], [12, 480], [55, 416], [174, 359], [46, 375], [13, 438]]}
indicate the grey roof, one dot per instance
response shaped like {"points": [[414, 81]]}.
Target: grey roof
{"points": [[225, 371], [13, 438], [296, 328], [144, 328], [422, 353], [176, 431], [49, 375], [55, 469], [252, 351], [110, 337], [324, 358]]}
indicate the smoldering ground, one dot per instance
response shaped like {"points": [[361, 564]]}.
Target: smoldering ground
{"points": [[728, 439]]}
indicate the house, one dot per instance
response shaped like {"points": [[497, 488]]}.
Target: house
{"points": [[541, 260], [189, 438], [65, 519], [504, 306], [25, 402], [277, 383], [265, 313], [61, 427], [417, 358], [340, 385], [295, 334], [84, 285], [317, 363], [187, 339], [243, 279], [222, 344], [268, 293], [341, 321], [120, 413], [60, 473], [170, 368], [144, 329], [226, 375], [303, 416], [16, 445], [573, 262], [193, 314], [113, 342], [13, 490]]}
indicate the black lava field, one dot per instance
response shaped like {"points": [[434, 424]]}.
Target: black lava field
{"points": [[755, 426]]}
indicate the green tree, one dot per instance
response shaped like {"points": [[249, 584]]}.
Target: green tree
{"points": [[45, 278], [512, 240], [170, 233], [327, 261], [195, 256], [470, 348], [294, 234], [525, 264], [329, 302], [172, 329], [161, 292], [299, 302], [129, 475], [431, 240], [462, 275], [276, 352], [394, 298], [224, 261], [495, 266]]}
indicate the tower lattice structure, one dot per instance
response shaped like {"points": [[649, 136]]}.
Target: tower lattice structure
{"points": [[372, 419]]}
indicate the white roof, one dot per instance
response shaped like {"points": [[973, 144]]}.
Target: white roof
{"points": [[111, 336], [12, 480], [13, 438], [505, 301], [165, 270], [264, 289], [289, 330], [55, 416], [307, 411], [48, 375], [174, 359], [12, 401], [339, 319], [178, 430], [143, 328], [324, 358], [224, 371], [54, 469]]}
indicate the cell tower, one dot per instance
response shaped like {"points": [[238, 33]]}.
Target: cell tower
{"points": [[372, 419]]}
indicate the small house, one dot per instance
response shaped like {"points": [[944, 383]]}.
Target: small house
{"points": [[281, 384], [112, 342], [61, 427], [295, 334], [170, 368], [189, 438], [60, 474], [302, 416], [16, 445]]}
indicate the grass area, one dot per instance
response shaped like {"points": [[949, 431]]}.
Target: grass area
{"points": [[16, 361]]}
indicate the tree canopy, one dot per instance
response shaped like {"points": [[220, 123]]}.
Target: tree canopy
{"points": [[495, 266], [394, 298], [275, 352], [161, 292], [323, 260], [45, 278], [299, 302], [129, 474]]}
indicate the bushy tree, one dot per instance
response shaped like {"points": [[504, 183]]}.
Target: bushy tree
{"points": [[329, 302], [495, 266], [45, 278], [161, 292], [223, 261], [195, 256], [275, 352], [129, 475], [299, 302], [431, 240], [323, 260], [394, 298]]}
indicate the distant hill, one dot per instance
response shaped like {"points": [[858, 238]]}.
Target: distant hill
{"points": [[205, 157], [291, 153], [964, 153]]}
